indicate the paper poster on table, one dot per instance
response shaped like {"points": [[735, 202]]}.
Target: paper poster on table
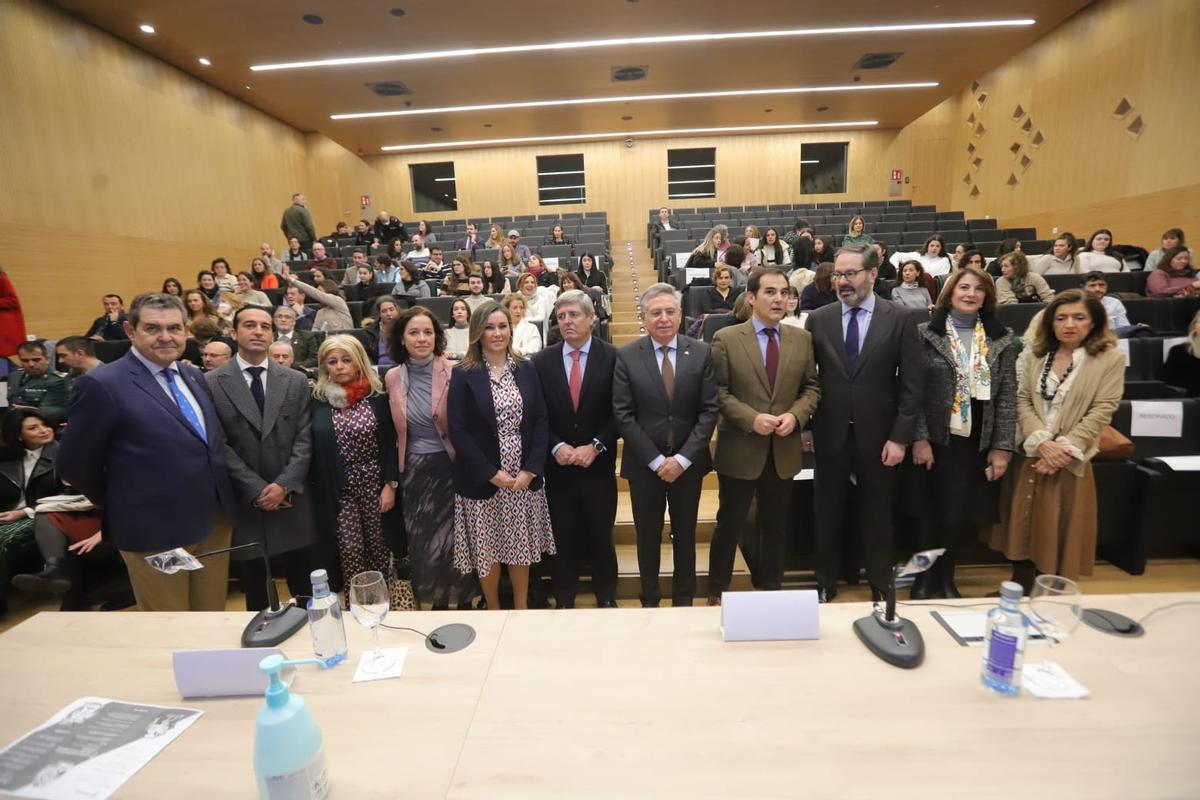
{"points": [[89, 749], [1163, 418]]}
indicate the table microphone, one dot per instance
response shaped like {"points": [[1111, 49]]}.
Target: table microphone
{"points": [[894, 639], [270, 626]]}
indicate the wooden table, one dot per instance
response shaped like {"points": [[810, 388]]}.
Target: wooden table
{"points": [[651, 703]]}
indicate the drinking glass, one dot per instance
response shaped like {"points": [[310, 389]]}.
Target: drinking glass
{"points": [[370, 600], [1055, 606]]}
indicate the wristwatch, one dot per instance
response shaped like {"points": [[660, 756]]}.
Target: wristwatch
{"points": [[393, 484], [599, 445]]}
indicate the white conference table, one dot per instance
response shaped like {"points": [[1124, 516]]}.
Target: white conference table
{"points": [[651, 703]]}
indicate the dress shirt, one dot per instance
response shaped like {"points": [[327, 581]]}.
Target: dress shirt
{"points": [[156, 371], [583, 357], [867, 310], [673, 354], [243, 365], [759, 327]]}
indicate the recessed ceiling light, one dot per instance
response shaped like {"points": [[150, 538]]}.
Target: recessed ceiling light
{"points": [[313, 19], [623, 134], [205, 62], [397, 12], [436, 130], [768, 110], [146, 28], [628, 41], [579, 101]]}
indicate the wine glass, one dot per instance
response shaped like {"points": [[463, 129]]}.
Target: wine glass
{"points": [[1055, 606], [370, 600]]}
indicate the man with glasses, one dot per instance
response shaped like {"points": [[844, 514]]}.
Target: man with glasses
{"points": [[869, 356]]}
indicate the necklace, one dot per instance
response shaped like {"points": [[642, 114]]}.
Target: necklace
{"points": [[1046, 377]]}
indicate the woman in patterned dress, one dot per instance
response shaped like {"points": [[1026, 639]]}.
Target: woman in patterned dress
{"points": [[354, 470], [498, 426]]}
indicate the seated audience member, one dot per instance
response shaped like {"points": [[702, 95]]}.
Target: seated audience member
{"points": [[475, 286], [912, 292], [801, 228], [801, 276], [735, 259], [593, 277], [386, 270], [268, 254], [1183, 361], [887, 271], [421, 254], [293, 298], [791, 309], [172, 286], [364, 235], [707, 253], [320, 260], [395, 250], [365, 289], [546, 275], [804, 254], [720, 297], [773, 252], [357, 259], [111, 326], [971, 258], [557, 235], [207, 282], [261, 276], [334, 314], [248, 294], [216, 354], [77, 354], [752, 237], [857, 232], [303, 344], [457, 331], [1173, 237], [1008, 245], [538, 300], [821, 291], [1017, 284], [341, 231], [456, 281], [823, 250], [665, 222], [388, 229], [200, 333], [409, 283], [1095, 284], [571, 281], [1175, 275], [1061, 260], [514, 238], [495, 238], [294, 252], [471, 242], [435, 267], [282, 354], [224, 277], [1098, 254], [426, 233], [385, 313], [494, 281], [932, 255], [510, 263], [35, 386], [527, 339]]}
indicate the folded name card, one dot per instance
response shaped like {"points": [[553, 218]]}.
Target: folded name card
{"points": [[770, 616], [224, 673]]}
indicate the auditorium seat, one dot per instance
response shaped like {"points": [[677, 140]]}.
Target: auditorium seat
{"points": [[1152, 311], [555, 250], [1018, 315], [1164, 519], [1119, 492], [1187, 443], [109, 352], [1151, 390], [714, 323]]}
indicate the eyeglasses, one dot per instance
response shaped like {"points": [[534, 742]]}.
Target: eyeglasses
{"points": [[848, 275]]}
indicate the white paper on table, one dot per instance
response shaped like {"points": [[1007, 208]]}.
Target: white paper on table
{"points": [[398, 655], [1163, 418], [1049, 681], [89, 748], [1182, 463], [1169, 343], [682, 258], [1123, 346], [803, 475], [968, 627], [551, 262]]}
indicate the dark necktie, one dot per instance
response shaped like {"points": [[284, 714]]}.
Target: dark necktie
{"points": [[668, 373], [852, 339], [256, 387], [772, 363]]}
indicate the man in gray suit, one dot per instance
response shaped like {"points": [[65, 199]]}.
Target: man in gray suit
{"points": [[868, 353], [264, 412], [665, 403]]}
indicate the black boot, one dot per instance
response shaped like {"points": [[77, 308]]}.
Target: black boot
{"points": [[51, 580], [945, 575], [922, 586], [1023, 573]]}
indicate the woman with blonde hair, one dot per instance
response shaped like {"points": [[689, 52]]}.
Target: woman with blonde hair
{"points": [[334, 314], [355, 469], [499, 429], [1182, 367], [539, 300], [1018, 285], [856, 233], [509, 262], [495, 238], [1069, 384], [708, 252], [527, 339], [199, 307]]}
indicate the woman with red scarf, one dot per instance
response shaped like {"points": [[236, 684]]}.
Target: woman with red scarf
{"points": [[355, 469]]}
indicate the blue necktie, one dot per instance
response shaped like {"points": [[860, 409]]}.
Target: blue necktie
{"points": [[256, 387], [189, 413], [852, 339]]}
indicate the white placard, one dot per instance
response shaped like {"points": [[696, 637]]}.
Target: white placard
{"points": [[682, 258], [552, 263], [1162, 418], [1169, 343], [1123, 346], [770, 616], [803, 475], [693, 273], [1181, 463]]}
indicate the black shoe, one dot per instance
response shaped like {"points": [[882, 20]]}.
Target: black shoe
{"points": [[650, 603], [877, 594], [52, 580], [826, 594], [921, 589], [606, 604], [564, 603]]}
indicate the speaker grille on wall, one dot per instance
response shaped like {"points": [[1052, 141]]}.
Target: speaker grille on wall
{"points": [[970, 148], [971, 120], [974, 87], [981, 99], [967, 179], [976, 163]]}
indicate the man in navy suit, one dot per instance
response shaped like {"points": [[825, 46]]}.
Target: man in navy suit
{"points": [[146, 446]]}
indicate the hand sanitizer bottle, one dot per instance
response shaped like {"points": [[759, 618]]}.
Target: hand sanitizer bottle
{"points": [[289, 753]]}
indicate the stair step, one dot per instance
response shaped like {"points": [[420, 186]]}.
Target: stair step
{"points": [[624, 531]]}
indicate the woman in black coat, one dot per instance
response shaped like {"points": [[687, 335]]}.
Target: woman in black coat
{"points": [[591, 274]]}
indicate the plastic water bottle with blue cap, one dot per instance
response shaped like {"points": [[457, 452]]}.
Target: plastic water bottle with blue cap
{"points": [[325, 621], [1004, 642]]}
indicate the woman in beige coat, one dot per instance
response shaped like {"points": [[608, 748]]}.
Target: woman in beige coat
{"points": [[1069, 385]]}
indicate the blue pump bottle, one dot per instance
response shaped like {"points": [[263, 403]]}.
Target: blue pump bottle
{"points": [[289, 753]]}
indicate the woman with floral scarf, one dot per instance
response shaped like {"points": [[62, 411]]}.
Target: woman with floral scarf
{"points": [[966, 432]]}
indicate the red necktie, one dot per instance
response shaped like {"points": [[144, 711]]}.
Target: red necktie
{"points": [[575, 382], [772, 364]]}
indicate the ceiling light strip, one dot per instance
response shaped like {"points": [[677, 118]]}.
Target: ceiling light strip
{"points": [[579, 101], [625, 134], [628, 41]]}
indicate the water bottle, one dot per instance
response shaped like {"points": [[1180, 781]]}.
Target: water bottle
{"points": [[325, 621], [1004, 642]]}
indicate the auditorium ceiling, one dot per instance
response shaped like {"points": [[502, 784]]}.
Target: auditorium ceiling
{"points": [[809, 47]]}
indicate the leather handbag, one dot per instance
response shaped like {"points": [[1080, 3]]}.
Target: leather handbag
{"points": [[1113, 445]]}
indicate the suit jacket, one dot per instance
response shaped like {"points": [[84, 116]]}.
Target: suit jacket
{"points": [[744, 393], [882, 395], [475, 434], [646, 418], [593, 420], [396, 382], [269, 446], [49, 394], [465, 243], [657, 228], [132, 452], [43, 480], [304, 348]]}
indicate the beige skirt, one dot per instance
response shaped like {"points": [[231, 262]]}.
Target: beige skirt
{"points": [[1049, 519]]}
